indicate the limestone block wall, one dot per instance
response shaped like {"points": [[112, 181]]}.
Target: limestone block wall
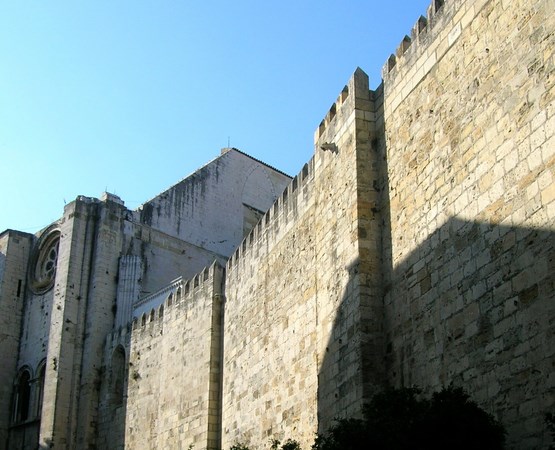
{"points": [[149, 259], [270, 344], [33, 340], [469, 137], [71, 320], [113, 395], [67, 321], [36, 323], [206, 208], [175, 368], [14, 254], [38, 300], [165, 257], [98, 312], [294, 309]]}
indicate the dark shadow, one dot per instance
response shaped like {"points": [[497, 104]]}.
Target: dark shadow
{"points": [[25, 421], [472, 305], [24, 436], [113, 397]]}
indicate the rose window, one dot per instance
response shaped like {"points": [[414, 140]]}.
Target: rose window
{"points": [[45, 260], [48, 264]]}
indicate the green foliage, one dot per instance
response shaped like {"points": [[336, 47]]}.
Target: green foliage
{"points": [[289, 444], [392, 417], [239, 446], [346, 434], [454, 421], [400, 419]]}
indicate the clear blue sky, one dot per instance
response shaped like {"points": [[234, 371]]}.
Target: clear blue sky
{"points": [[132, 96]]}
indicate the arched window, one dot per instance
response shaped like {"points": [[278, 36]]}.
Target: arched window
{"points": [[40, 386], [22, 396], [117, 382]]}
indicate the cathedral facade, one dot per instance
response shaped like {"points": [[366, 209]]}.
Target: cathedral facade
{"points": [[416, 247]]}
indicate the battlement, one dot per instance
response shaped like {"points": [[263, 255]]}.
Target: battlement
{"points": [[294, 199], [341, 99], [354, 96], [354, 101], [419, 37], [178, 293], [430, 40]]}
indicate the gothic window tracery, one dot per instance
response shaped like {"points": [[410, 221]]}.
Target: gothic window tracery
{"points": [[44, 262], [40, 387]]}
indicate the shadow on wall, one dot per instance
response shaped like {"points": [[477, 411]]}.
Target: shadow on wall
{"points": [[472, 305], [2, 265], [113, 408], [24, 436]]}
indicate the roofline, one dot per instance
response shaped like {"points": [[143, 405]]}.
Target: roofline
{"points": [[227, 149], [223, 152], [16, 232]]}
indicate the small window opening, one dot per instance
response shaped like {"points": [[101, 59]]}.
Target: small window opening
{"points": [[22, 397], [40, 395]]}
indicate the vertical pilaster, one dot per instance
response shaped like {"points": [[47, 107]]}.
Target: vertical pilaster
{"points": [[129, 286], [63, 370], [14, 256], [101, 309], [349, 253]]}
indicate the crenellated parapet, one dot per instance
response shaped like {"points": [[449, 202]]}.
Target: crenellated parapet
{"points": [[287, 279], [355, 96], [330, 116], [356, 103], [430, 39], [178, 293], [293, 201], [185, 330], [419, 35]]}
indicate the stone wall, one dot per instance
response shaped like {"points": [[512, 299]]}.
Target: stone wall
{"points": [[67, 316], [113, 397], [65, 330], [98, 315], [211, 207], [295, 354], [165, 257], [14, 254], [417, 246], [469, 137], [175, 369]]}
